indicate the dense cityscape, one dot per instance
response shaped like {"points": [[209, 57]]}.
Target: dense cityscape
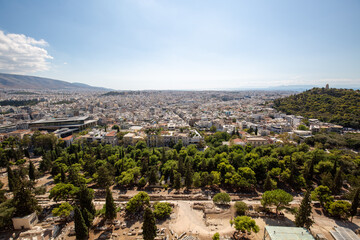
{"points": [[184, 152], [179, 120]]}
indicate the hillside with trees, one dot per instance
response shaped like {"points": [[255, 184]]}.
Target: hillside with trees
{"points": [[338, 106], [219, 167]]}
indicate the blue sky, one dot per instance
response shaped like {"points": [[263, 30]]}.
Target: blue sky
{"points": [[181, 44]]}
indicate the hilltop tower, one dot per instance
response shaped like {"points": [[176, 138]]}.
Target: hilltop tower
{"points": [[327, 87]]}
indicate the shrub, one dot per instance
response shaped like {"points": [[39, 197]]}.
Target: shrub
{"points": [[221, 198], [63, 210], [340, 209], [138, 202], [216, 236], [241, 208], [162, 210]]}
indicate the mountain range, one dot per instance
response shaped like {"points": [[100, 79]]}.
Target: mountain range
{"points": [[13, 81]]}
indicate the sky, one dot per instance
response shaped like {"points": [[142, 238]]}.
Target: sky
{"points": [[183, 44]]}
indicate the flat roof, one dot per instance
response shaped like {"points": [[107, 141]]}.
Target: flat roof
{"points": [[342, 233], [62, 119], [288, 233]]}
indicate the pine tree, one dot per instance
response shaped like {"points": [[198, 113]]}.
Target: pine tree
{"points": [[355, 203], [302, 218], [110, 210], [81, 229], [268, 186], [31, 171], [149, 226]]}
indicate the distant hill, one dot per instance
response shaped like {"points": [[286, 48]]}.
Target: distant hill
{"points": [[12, 81], [338, 106], [117, 93]]}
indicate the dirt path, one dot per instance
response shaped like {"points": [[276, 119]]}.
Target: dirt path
{"points": [[192, 221]]}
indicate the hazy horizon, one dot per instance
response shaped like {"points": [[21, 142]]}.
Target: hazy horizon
{"points": [[183, 45]]}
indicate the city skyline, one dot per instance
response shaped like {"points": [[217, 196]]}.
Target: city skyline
{"points": [[138, 45]]}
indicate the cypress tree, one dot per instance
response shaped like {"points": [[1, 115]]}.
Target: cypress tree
{"points": [[31, 171], [110, 210], [153, 175], [81, 229], [88, 217], [333, 170], [268, 186], [177, 180], [181, 166], [11, 179], [292, 172], [302, 218], [63, 176], [24, 200], [85, 197], [355, 203], [337, 182], [149, 226], [188, 176]]}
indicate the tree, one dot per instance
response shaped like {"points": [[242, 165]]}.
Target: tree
{"points": [[302, 218], [241, 208], [323, 195], [138, 202], [337, 184], [277, 197], [177, 180], [216, 236], [81, 229], [142, 182], [244, 224], [63, 191], [63, 210], [24, 200], [153, 179], [340, 209], [110, 212], [31, 171], [213, 128], [221, 198], [149, 226], [104, 177], [85, 197], [162, 210], [88, 217], [355, 203], [7, 211], [12, 180], [188, 176], [178, 145], [197, 180], [269, 184], [63, 175], [302, 127]]}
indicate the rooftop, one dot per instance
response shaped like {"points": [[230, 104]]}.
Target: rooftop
{"points": [[288, 233], [82, 118]]}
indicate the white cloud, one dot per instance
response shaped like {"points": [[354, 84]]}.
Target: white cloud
{"points": [[22, 54]]}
